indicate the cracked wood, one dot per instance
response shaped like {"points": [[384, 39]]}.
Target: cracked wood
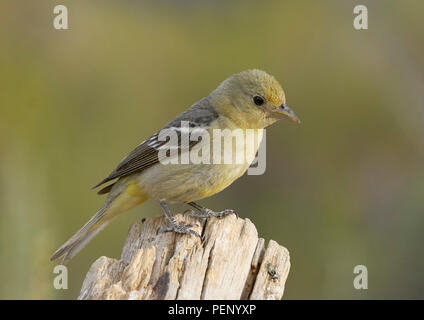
{"points": [[229, 262]]}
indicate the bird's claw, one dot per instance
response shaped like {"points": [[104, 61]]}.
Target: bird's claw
{"points": [[209, 213], [179, 229]]}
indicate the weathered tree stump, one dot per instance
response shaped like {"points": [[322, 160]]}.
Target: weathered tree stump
{"points": [[228, 262]]}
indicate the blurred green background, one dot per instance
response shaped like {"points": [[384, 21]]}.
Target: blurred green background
{"points": [[343, 188]]}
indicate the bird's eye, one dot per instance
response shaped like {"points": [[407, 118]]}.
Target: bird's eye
{"points": [[258, 100]]}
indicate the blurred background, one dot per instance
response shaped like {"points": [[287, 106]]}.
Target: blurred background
{"points": [[344, 188]]}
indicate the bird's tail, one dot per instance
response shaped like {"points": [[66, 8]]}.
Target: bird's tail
{"points": [[96, 224]]}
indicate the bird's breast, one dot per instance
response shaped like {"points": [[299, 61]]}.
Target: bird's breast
{"points": [[216, 166]]}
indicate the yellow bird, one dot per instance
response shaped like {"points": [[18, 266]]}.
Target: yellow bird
{"points": [[251, 99]]}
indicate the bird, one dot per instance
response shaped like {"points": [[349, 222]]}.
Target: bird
{"points": [[251, 99]]}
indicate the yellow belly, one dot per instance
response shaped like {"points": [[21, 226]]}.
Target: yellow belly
{"points": [[185, 183]]}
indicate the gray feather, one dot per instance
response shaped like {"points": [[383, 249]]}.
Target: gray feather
{"points": [[78, 241], [201, 114]]}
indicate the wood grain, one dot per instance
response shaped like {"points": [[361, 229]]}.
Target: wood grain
{"points": [[228, 262]]}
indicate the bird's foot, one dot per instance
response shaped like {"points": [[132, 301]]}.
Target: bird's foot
{"points": [[206, 213], [173, 224], [175, 227]]}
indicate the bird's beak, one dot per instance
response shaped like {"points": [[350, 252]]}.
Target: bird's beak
{"points": [[286, 112]]}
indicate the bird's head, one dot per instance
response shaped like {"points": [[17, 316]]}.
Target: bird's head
{"points": [[252, 98]]}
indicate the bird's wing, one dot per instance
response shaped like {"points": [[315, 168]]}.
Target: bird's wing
{"points": [[141, 158], [146, 154]]}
